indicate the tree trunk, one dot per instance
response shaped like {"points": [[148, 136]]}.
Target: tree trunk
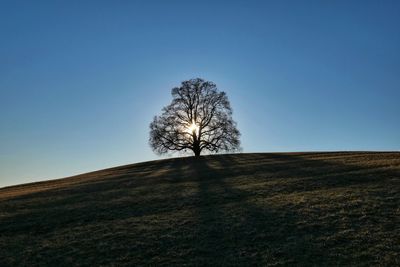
{"points": [[196, 149]]}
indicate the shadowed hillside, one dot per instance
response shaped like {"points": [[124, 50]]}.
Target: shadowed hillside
{"points": [[242, 209]]}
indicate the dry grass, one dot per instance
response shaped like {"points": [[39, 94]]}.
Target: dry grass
{"points": [[321, 209]]}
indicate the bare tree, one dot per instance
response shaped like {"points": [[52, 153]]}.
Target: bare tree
{"points": [[198, 119]]}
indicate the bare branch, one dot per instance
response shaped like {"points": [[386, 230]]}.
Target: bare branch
{"points": [[200, 103]]}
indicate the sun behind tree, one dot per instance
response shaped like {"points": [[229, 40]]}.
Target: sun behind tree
{"points": [[199, 119]]}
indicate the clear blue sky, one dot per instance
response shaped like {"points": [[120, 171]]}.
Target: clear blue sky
{"points": [[80, 81]]}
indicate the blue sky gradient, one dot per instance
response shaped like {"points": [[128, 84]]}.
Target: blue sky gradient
{"points": [[80, 81]]}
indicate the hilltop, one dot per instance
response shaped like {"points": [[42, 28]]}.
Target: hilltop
{"points": [[337, 208]]}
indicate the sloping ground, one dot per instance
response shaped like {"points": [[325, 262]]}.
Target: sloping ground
{"points": [[323, 209]]}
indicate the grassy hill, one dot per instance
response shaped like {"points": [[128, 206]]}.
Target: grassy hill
{"points": [[323, 209]]}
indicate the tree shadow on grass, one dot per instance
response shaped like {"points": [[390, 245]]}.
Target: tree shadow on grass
{"points": [[231, 230], [215, 210], [239, 231]]}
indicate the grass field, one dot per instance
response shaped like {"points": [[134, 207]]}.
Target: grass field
{"points": [[301, 209]]}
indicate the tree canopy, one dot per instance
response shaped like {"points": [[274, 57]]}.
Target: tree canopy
{"points": [[198, 119]]}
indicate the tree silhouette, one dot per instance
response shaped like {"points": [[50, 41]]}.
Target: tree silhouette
{"points": [[199, 119]]}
